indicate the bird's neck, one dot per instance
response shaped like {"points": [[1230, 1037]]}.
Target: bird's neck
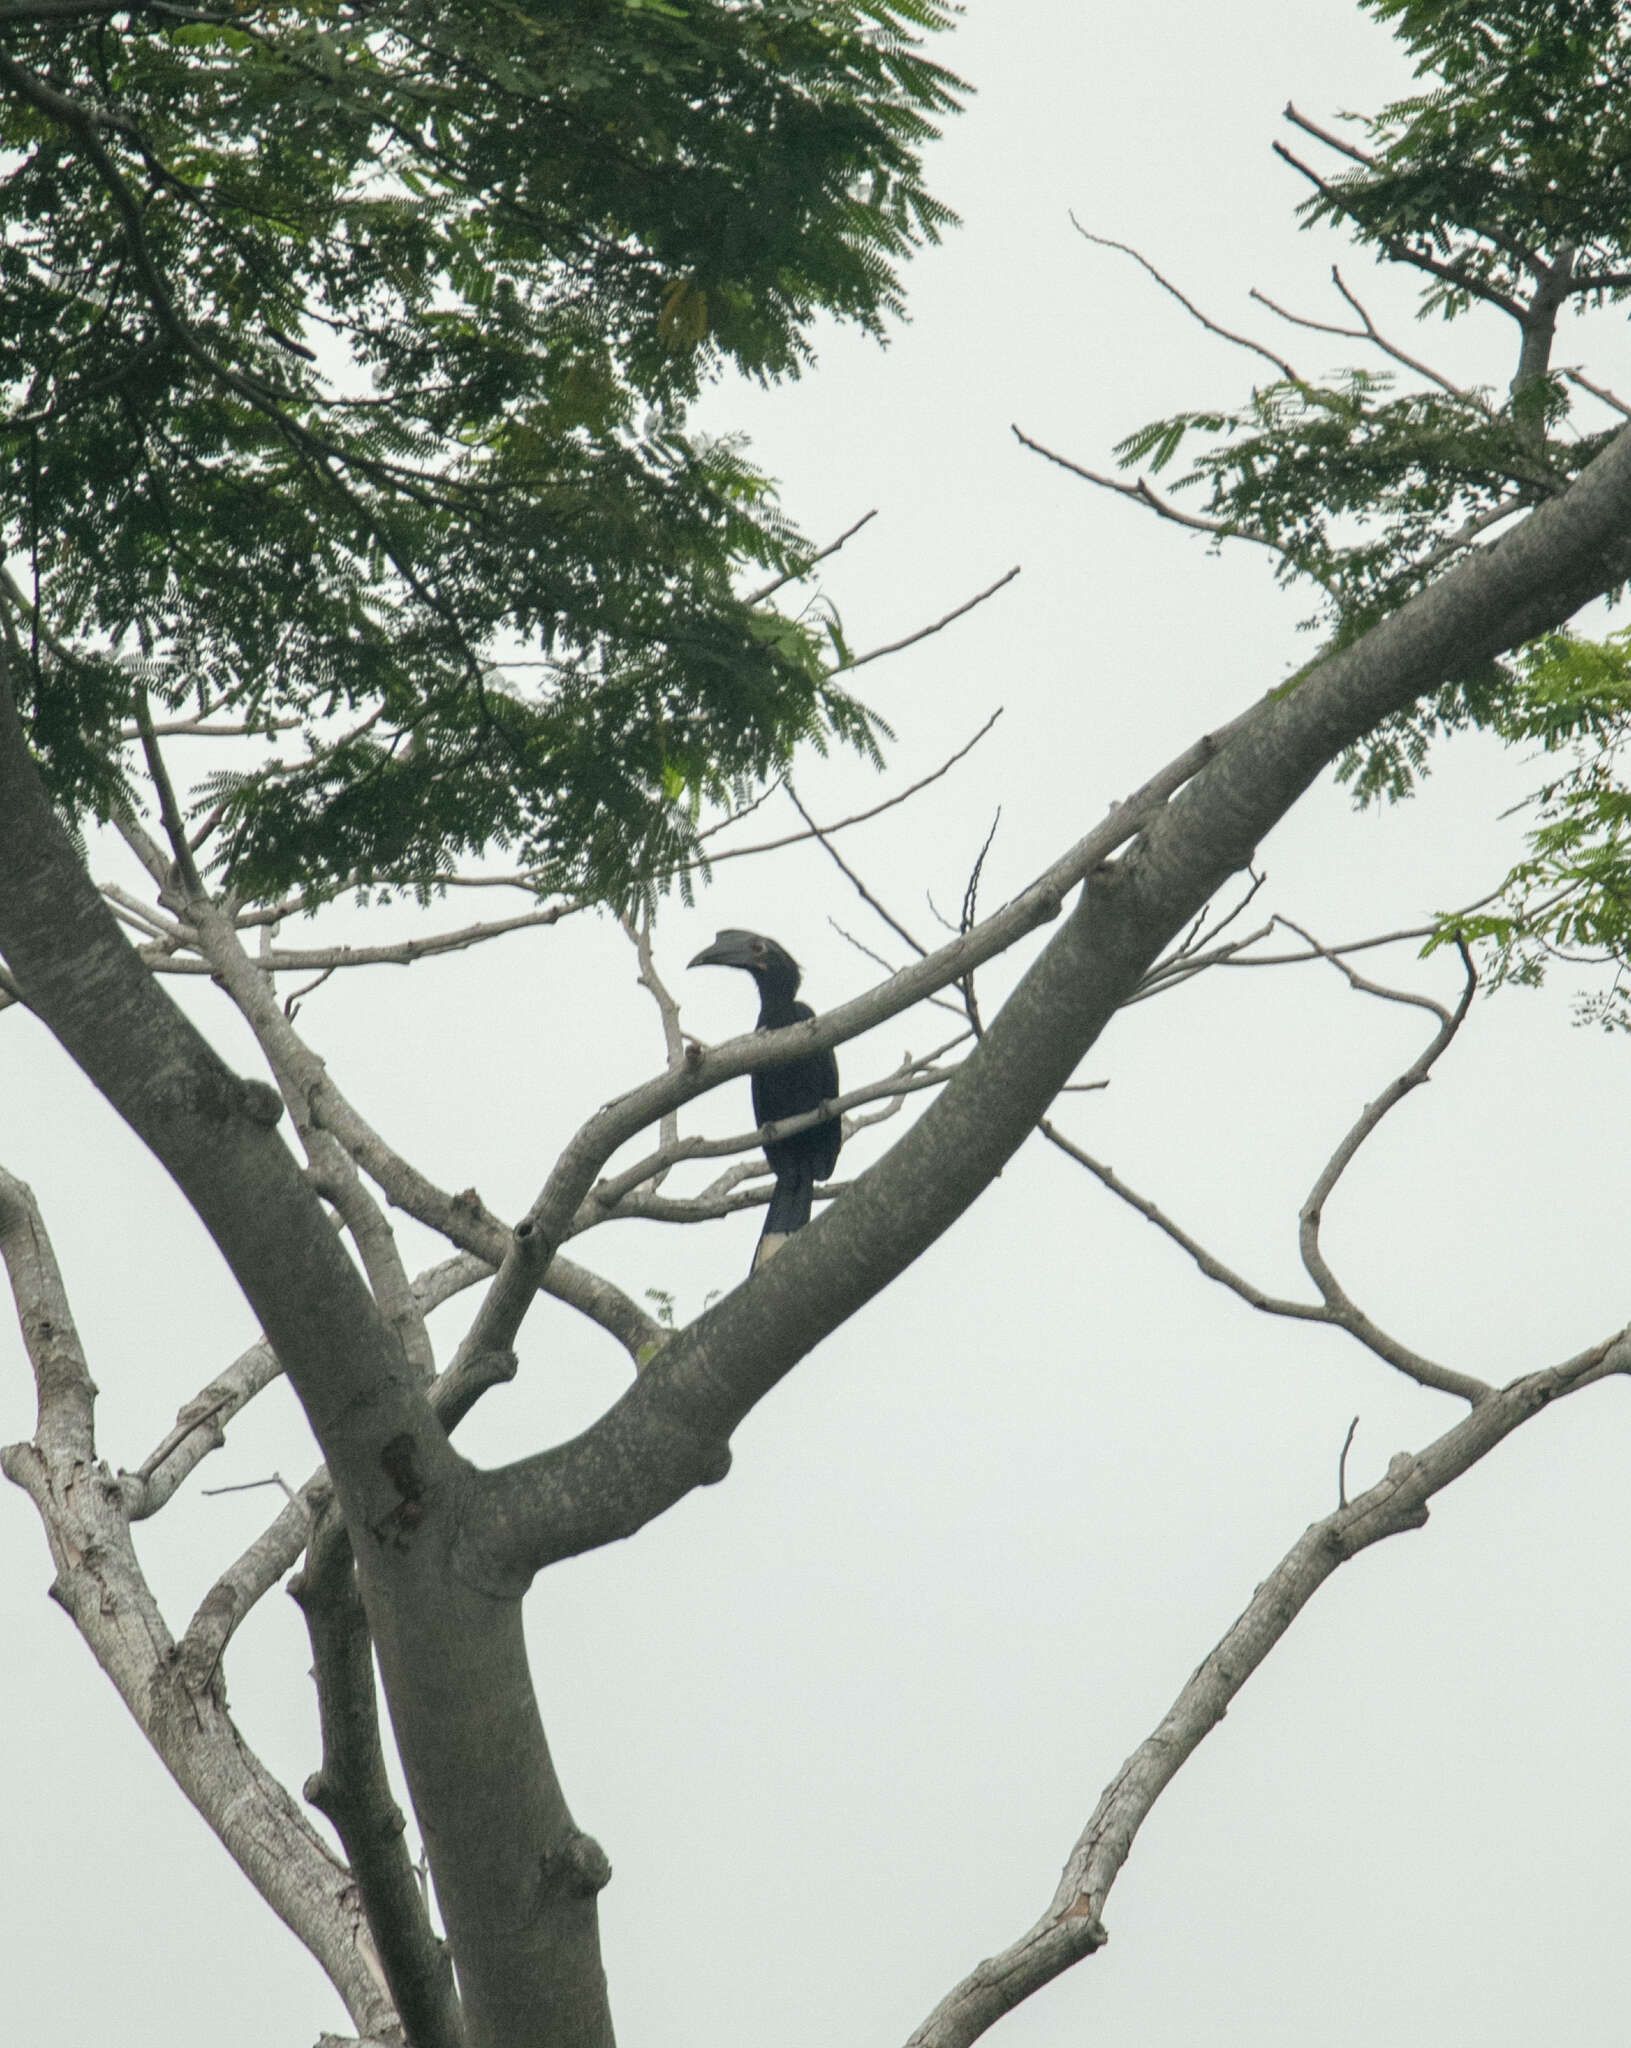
{"points": [[776, 1004]]}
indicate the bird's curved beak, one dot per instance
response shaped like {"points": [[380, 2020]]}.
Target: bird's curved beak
{"points": [[727, 950]]}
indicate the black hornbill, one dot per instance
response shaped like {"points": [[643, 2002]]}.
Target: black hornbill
{"points": [[799, 1161]]}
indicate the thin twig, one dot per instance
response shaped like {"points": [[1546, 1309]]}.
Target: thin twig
{"points": [[912, 1074], [841, 824], [844, 868], [249, 1486], [1342, 1464], [1142, 493], [175, 827], [845, 668], [798, 575], [1255, 348], [1599, 391], [639, 936]]}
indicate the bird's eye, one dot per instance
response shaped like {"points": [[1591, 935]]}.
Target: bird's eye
{"points": [[758, 945]]}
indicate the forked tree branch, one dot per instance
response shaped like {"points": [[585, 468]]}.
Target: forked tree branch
{"points": [[668, 1433], [463, 1219], [200, 1423], [180, 1709], [603, 1198], [1419, 257], [1073, 1927], [1039, 903], [1334, 1307], [1370, 332], [1343, 1310], [1243, 341]]}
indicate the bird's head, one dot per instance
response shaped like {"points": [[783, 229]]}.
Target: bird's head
{"points": [[768, 963]]}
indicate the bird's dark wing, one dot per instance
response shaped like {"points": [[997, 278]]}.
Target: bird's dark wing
{"points": [[791, 1090]]}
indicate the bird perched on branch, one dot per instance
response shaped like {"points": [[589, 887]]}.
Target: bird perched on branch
{"points": [[792, 1089]]}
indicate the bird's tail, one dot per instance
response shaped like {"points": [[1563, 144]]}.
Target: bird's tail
{"points": [[789, 1209]]}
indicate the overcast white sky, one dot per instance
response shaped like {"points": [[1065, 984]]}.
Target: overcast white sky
{"points": [[838, 1721]]}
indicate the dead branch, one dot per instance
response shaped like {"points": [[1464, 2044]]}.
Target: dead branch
{"points": [[844, 668], [707, 1208], [1203, 934], [798, 575], [1342, 1463], [1334, 1307], [1151, 500], [1599, 391], [849, 873], [178, 1706], [1072, 1926], [1324, 135], [1370, 332], [639, 936], [1255, 348], [856, 817]]}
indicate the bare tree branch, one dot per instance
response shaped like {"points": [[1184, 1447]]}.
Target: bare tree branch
{"points": [[1371, 333], [1599, 391], [463, 1219], [181, 1712], [606, 1196], [844, 668], [1346, 1312], [855, 817], [1151, 500], [1334, 1308], [276, 1550], [1255, 348], [200, 1423], [849, 873], [1324, 135], [1072, 1927], [639, 936], [1212, 1266], [352, 1790], [798, 575]]}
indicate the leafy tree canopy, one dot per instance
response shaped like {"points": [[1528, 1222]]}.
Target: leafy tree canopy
{"points": [[346, 355], [1506, 183]]}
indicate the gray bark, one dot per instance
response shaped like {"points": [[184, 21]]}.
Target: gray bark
{"points": [[502, 1844]]}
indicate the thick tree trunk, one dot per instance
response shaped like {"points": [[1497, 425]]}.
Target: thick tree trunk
{"points": [[515, 1881]]}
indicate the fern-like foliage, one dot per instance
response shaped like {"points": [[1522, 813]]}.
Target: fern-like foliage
{"points": [[1506, 184], [345, 352]]}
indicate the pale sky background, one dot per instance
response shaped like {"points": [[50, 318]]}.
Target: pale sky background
{"points": [[838, 1721]]}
